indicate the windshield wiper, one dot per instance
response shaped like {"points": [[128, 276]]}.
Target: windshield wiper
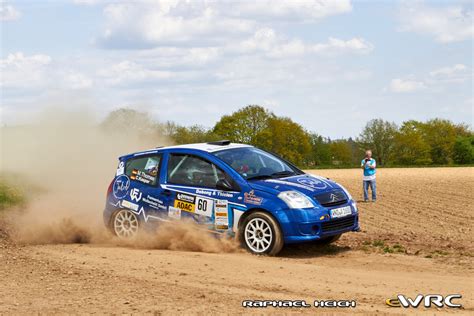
{"points": [[279, 174], [284, 173], [260, 177]]}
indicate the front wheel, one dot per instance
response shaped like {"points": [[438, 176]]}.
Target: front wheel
{"points": [[261, 234], [125, 224]]}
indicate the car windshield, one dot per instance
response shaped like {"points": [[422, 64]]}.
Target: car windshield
{"points": [[253, 164]]}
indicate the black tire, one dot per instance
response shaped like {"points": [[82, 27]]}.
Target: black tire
{"points": [[328, 240], [260, 234]]}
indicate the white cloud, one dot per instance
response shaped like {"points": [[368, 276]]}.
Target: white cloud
{"points": [[76, 80], [267, 41], [404, 86], [8, 12], [128, 72], [18, 70], [448, 71], [307, 10], [457, 73], [335, 46], [87, 2], [162, 23], [148, 24], [445, 24]]}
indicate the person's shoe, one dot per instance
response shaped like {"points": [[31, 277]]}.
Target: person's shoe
{"points": [[365, 201], [373, 201]]}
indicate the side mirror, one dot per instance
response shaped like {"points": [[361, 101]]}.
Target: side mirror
{"points": [[223, 185]]}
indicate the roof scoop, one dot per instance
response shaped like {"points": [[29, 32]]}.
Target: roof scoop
{"points": [[220, 143]]}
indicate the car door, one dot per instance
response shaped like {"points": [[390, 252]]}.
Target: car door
{"points": [[192, 181], [146, 197]]}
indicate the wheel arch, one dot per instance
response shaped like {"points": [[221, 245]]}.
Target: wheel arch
{"points": [[253, 210]]}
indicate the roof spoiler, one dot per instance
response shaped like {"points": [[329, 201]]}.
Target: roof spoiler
{"points": [[220, 143]]}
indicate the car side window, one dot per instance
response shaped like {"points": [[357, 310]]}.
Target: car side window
{"points": [[193, 171], [143, 169]]}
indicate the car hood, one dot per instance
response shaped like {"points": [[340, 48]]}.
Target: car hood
{"points": [[306, 184]]}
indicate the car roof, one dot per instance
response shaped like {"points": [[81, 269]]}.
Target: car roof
{"points": [[207, 147]]}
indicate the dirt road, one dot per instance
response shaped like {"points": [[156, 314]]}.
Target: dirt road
{"points": [[417, 239]]}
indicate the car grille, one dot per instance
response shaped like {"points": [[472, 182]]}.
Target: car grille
{"points": [[332, 198], [338, 224]]}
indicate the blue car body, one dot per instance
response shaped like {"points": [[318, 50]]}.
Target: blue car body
{"points": [[154, 198]]}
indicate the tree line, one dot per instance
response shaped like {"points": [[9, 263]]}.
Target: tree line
{"points": [[434, 142]]}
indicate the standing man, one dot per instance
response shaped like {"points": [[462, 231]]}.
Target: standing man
{"points": [[368, 164]]}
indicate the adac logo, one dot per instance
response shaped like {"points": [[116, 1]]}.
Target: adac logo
{"points": [[121, 185], [429, 300]]}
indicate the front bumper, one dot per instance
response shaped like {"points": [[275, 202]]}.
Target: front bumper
{"points": [[302, 225]]}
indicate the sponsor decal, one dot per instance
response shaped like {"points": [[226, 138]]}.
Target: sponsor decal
{"points": [[185, 206], [221, 216], [121, 186], [185, 197], [120, 168], [174, 212], [225, 194], [142, 176], [135, 195], [430, 300], [291, 184], [205, 192], [203, 206], [130, 205], [251, 198], [313, 183], [154, 202]]}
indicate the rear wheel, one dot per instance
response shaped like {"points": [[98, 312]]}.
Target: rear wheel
{"points": [[328, 240], [261, 234], [125, 224]]}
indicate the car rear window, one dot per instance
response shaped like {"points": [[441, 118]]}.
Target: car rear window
{"points": [[193, 171], [144, 169]]}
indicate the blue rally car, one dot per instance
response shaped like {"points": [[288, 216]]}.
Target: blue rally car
{"points": [[231, 189]]}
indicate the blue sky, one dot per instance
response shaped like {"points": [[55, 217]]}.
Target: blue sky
{"points": [[329, 65]]}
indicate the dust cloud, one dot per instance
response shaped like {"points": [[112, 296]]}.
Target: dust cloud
{"points": [[70, 160]]}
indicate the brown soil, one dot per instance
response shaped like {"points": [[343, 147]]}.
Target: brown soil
{"points": [[416, 239]]}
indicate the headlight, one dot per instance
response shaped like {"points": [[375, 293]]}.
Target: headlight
{"points": [[349, 196], [294, 199]]}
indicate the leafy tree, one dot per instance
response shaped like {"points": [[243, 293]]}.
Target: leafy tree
{"points": [[357, 153], [440, 135], [193, 134], [244, 125], [125, 120], [464, 150], [378, 135], [410, 146], [341, 152], [285, 138], [320, 152]]}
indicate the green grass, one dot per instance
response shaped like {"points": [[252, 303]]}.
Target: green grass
{"points": [[10, 195], [385, 248]]}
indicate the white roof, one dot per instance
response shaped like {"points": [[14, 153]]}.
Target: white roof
{"points": [[207, 147]]}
